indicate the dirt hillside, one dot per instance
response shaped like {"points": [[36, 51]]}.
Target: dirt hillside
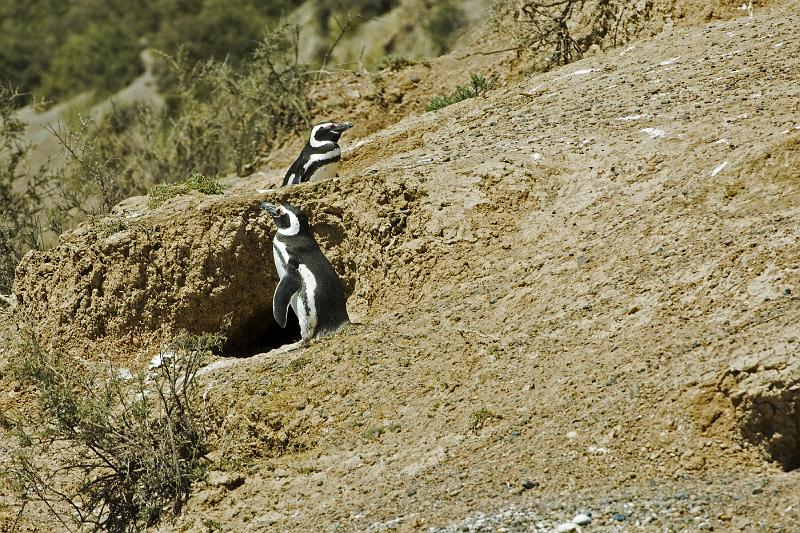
{"points": [[576, 294]]}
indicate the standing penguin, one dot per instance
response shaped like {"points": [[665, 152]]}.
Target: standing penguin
{"points": [[308, 281], [320, 157]]}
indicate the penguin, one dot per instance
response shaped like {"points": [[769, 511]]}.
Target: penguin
{"points": [[320, 157], [308, 281]]}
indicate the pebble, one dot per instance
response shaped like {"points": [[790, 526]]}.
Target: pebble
{"points": [[528, 484], [619, 517], [229, 480], [582, 519], [567, 526]]}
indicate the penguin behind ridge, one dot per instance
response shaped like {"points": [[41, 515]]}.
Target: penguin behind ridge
{"points": [[320, 157], [308, 283]]}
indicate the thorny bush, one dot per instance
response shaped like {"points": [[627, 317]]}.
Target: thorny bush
{"points": [[107, 449]]}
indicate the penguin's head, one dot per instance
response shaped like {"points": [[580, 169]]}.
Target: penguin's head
{"points": [[289, 219], [328, 132]]}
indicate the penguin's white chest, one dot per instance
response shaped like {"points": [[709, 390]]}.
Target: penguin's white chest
{"points": [[281, 257], [328, 167], [325, 172], [306, 306], [303, 302]]}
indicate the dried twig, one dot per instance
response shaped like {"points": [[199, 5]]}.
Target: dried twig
{"points": [[490, 53]]}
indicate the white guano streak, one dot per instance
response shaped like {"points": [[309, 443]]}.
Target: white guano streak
{"points": [[307, 310]]}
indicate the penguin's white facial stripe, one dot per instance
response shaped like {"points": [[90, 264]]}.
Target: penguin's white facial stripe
{"points": [[313, 140], [315, 158], [294, 225], [307, 314]]}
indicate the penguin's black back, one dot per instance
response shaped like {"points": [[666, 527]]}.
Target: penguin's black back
{"points": [[305, 174]]}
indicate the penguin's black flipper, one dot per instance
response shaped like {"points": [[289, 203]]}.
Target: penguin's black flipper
{"points": [[295, 172], [288, 286]]}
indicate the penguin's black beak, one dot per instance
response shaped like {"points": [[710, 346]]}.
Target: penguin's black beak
{"points": [[270, 208], [341, 128]]}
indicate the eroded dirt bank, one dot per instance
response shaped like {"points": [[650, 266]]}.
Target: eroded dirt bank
{"points": [[587, 280]]}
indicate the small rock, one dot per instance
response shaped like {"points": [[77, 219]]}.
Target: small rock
{"points": [[572, 435], [567, 526], [619, 517], [269, 518], [516, 490], [582, 519], [597, 450], [229, 480], [528, 484]]}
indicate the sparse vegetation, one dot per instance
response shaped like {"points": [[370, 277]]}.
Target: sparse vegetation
{"points": [[297, 364], [479, 418], [478, 85], [561, 31], [114, 226], [196, 182], [375, 432], [217, 120], [394, 63], [20, 203], [122, 450]]}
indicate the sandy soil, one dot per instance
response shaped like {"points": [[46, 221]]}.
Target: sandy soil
{"points": [[576, 294]]}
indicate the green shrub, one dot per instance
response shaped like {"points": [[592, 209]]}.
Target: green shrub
{"points": [[121, 450], [21, 194], [444, 20], [102, 58], [216, 120], [479, 418], [196, 182], [88, 44], [478, 85]]}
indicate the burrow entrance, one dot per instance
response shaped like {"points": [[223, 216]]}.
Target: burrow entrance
{"points": [[773, 421], [262, 335]]}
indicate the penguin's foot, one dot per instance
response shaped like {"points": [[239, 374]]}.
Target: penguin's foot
{"points": [[303, 343]]}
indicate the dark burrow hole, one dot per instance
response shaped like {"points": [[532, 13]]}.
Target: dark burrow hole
{"points": [[774, 423], [263, 337]]}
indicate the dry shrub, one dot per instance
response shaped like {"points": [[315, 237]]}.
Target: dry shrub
{"points": [[110, 450], [217, 120], [20, 196], [561, 31]]}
